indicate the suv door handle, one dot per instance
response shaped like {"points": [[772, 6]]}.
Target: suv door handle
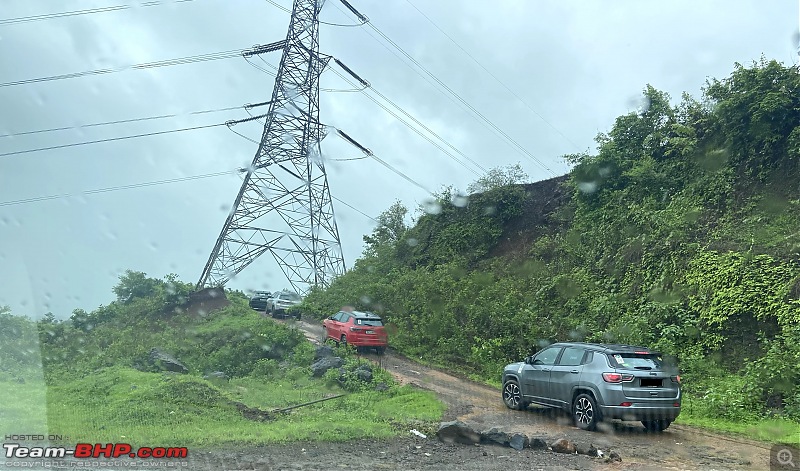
{"points": [[546, 370], [574, 372]]}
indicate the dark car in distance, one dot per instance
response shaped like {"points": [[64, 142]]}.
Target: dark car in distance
{"points": [[259, 300], [597, 382]]}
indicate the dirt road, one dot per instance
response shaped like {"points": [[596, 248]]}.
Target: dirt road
{"points": [[479, 405]]}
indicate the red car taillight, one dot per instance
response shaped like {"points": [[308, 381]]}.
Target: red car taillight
{"points": [[617, 377], [355, 329]]}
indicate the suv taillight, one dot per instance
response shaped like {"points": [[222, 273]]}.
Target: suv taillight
{"points": [[617, 377], [355, 329], [676, 379]]}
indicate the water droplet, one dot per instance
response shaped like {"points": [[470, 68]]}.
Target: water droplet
{"points": [[489, 210], [459, 200], [366, 300], [587, 187], [412, 242], [432, 207]]}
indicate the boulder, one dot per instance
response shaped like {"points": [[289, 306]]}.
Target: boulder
{"points": [[590, 450], [322, 351], [562, 445], [538, 443], [319, 367], [364, 373], [613, 457], [457, 432], [164, 361], [518, 441], [495, 436]]}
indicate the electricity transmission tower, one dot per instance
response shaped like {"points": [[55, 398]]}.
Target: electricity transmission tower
{"points": [[284, 205]]}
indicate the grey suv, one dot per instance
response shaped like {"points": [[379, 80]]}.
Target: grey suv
{"points": [[596, 382]]}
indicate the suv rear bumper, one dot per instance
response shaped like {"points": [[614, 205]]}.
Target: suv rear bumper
{"points": [[641, 411]]}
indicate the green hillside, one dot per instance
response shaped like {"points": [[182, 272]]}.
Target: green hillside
{"points": [[680, 233], [152, 368]]}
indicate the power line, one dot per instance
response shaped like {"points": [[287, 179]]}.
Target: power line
{"points": [[369, 153], [453, 94], [150, 65], [37, 199], [121, 121], [110, 139], [416, 130], [49, 16], [354, 209], [114, 188], [147, 65], [462, 100], [281, 7], [366, 85], [492, 75]]}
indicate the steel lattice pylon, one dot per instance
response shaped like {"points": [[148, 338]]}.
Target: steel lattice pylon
{"points": [[287, 177]]}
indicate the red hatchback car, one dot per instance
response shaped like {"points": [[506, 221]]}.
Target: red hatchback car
{"points": [[360, 329]]}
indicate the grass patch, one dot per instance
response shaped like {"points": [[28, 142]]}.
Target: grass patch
{"points": [[141, 408], [23, 408], [774, 430]]}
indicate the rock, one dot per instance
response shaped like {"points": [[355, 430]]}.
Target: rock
{"points": [[519, 441], [562, 445], [216, 377], [319, 367], [164, 361], [495, 436], [538, 443], [380, 387], [322, 351], [457, 432], [612, 457], [590, 450], [364, 374]]}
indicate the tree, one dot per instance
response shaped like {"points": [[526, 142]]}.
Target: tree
{"points": [[390, 228], [135, 284], [498, 177]]}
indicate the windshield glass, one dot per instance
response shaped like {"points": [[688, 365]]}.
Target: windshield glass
{"points": [[191, 190]]}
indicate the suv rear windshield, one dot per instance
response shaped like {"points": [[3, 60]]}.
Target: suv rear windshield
{"points": [[637, 361], [369, 322], [291, 296]]}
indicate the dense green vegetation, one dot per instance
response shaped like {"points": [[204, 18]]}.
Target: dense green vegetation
{"points": [[680, 233], [91, 378]]}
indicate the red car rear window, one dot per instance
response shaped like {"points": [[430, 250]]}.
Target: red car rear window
{"points": [[369, 322]]}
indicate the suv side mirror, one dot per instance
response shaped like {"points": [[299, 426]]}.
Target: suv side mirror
{"points": [[528, 360]]}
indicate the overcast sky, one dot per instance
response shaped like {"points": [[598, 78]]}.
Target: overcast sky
{"points": [[576, 66]]}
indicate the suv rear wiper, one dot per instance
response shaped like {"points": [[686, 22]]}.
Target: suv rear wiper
{"points": [[643, 367]]}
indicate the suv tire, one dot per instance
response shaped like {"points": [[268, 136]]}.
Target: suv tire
{"points": [[585, 412], [512, 395], [656, 425]]}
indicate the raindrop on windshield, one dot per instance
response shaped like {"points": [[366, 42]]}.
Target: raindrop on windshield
{"points": [[432, 207], [587, 187], [459, 200]]}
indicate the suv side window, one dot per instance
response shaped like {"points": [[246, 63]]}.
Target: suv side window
{"points": [[547, 356], [572, 356], [339, 317]]}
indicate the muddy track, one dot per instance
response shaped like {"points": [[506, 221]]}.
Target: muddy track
{"points": [[479, 405]]}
